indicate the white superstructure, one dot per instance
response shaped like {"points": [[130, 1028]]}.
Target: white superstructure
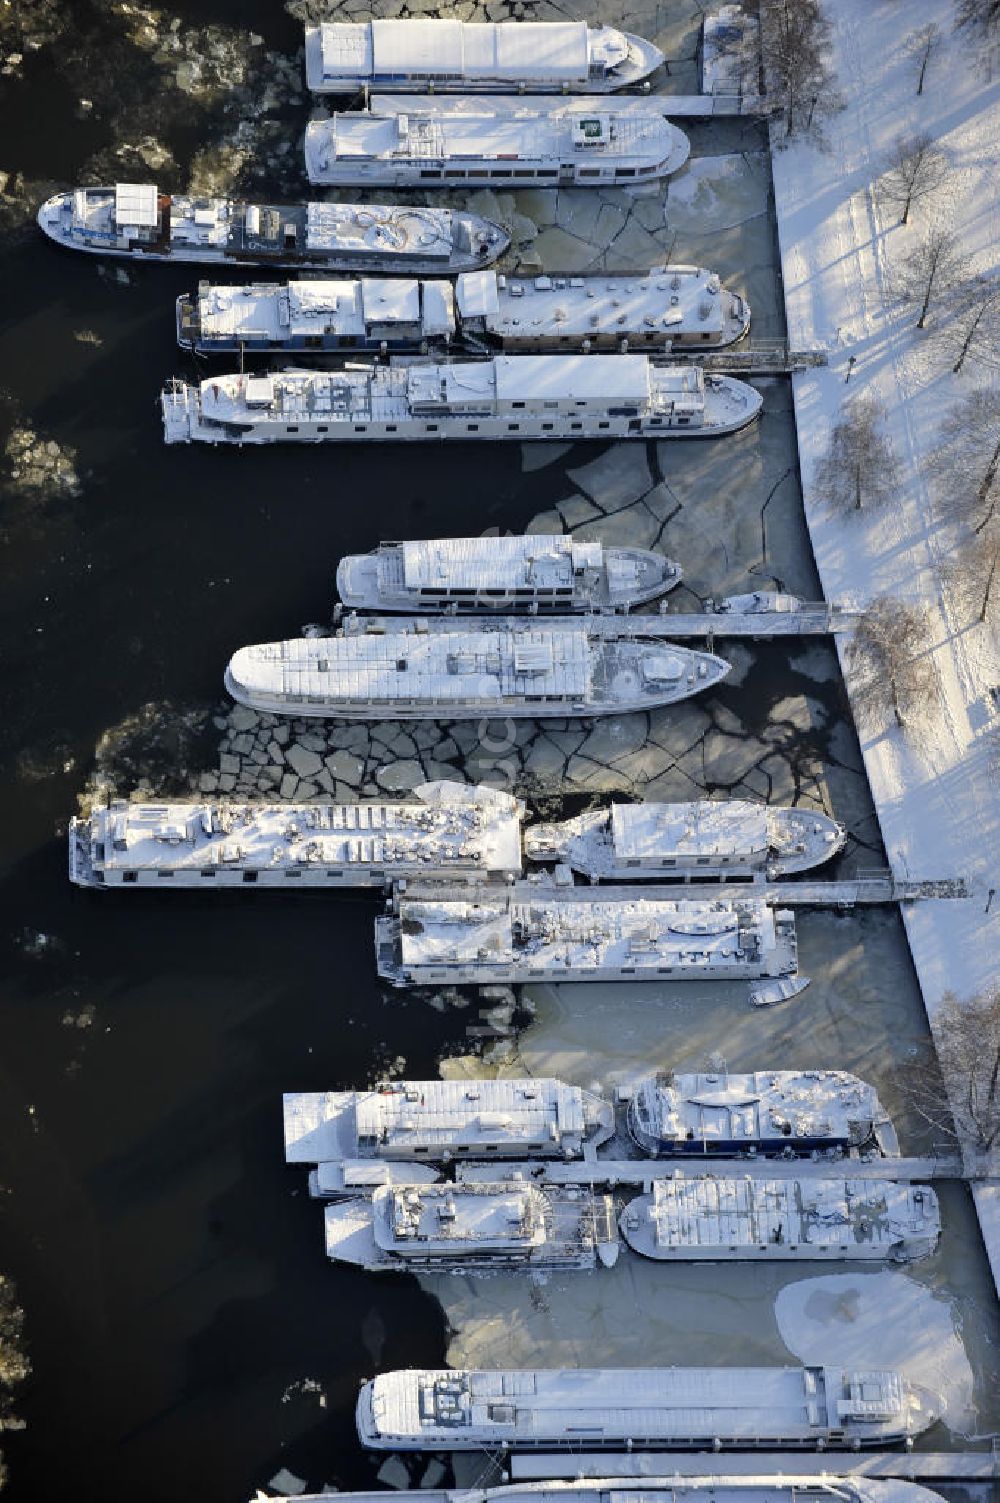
{"points": [[136, 219], [510, 397], [761, 1112], [547, 936], [500, 666], [702, 838], [714, 1487], [658, 1407], [440, 1121], [547, 141], [471, 1228], [535, 573], [669, 308], [448, 831], [342, 57], [720, 1218]]}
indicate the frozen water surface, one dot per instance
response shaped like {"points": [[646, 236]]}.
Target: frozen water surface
{"points": [[835, 1317]]}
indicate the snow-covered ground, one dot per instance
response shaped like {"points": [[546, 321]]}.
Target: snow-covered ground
{"points": [[939, 809]]}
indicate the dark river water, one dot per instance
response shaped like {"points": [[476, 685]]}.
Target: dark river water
{"points": [[171, 1268]]}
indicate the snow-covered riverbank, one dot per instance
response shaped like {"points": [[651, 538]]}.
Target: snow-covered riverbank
{"points": [[938, 804]]}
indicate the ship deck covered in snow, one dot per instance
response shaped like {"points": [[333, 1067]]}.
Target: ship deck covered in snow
{"points": [[672, 308], [439, 1121], [136, 219], [496, 667], [448, 831], [536, 573], [658, 1407], [547, 141], [510, 397], [473, 1227], [719, 1218], [703, 838], [766, 1112], [523, 56], [536, 936], [830, 1485]]}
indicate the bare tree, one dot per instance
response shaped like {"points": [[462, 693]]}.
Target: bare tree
{"points": [[966, 461], [795, 41], [922, 45], [859, 467], [974, 574], [887, 659], [955, 1084], [933, 268], [977, 322], [979, 22], [915, 168]]}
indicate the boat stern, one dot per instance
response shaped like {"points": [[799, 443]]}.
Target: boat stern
{"points": [[178, 406], [477, 240]]}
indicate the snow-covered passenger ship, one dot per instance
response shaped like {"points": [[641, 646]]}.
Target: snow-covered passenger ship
{"points": [[703, 838], [670, 308], [545, 142], [766, 1112], [715, 1219], [717, 1487], [511, 397], [538, 573], [137, 220], [470, 1228], [482, 56], [409, 1122], [447, 831], [682, 1408], [500, 666], [527, 935]]}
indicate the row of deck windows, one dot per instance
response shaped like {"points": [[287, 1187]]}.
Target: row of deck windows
{"points": [[474, 427], [431, 173]]}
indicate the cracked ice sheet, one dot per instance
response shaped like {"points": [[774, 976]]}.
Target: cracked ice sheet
{"points": [[861, 1013], [832, 1319]]}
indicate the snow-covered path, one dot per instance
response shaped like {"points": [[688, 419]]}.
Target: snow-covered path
{"points": [[938, 805]]}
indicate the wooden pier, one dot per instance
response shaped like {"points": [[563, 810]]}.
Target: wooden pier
{"points": [[815, 619], [910, 1466], [640, 1174], [860, 890]]}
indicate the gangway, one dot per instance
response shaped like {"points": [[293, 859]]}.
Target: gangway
{"points": [[810, 620], [639, 1174], [762, 357]]}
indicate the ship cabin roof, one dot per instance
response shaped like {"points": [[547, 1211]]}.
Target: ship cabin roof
{"points": [[797, 1104], [401, 1118], [581, 934], [446, 825], [521, 563], [137, 204], [349, 308], [699, 829], [436, 668], [477, 130], [729, 1212], [570, 1405], [372, 227], [423, 48], [678, 300], [414, 1220]]}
